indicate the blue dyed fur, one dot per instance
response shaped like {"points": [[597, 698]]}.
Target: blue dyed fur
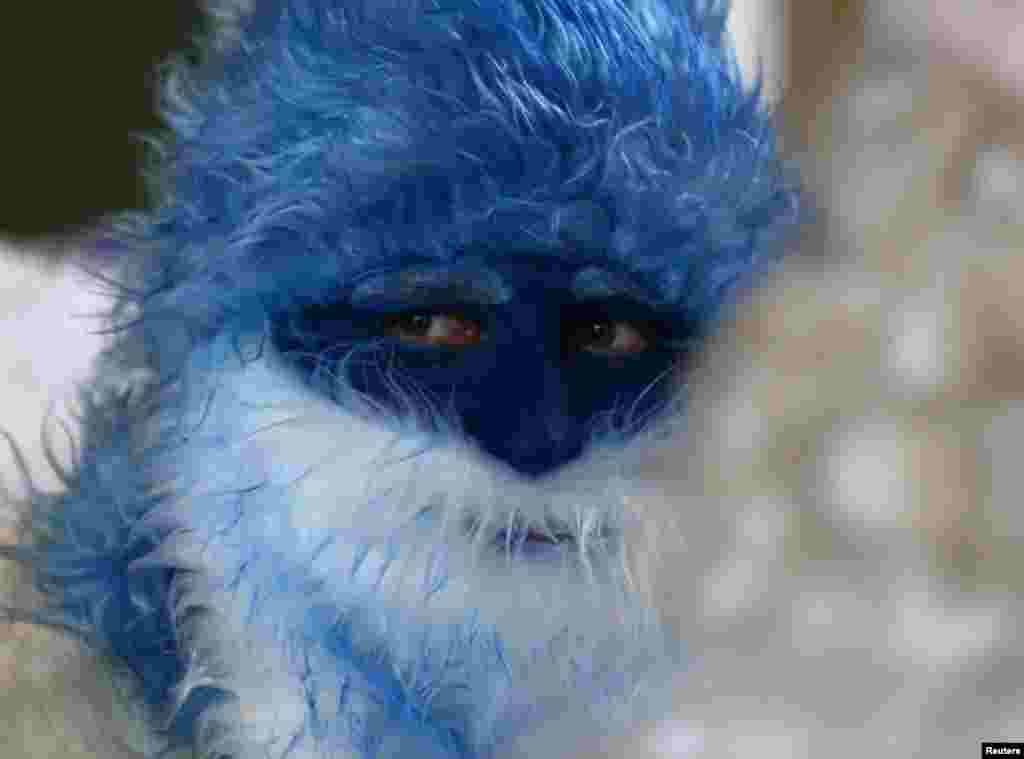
{"points": [[280, 574]]}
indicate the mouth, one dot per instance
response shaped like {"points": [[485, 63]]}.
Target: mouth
{"points": [[523, 538], [533, 537], [534, 540], [546, 539]]}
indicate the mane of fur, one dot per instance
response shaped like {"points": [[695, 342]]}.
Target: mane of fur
{"points": [[319, 141]]}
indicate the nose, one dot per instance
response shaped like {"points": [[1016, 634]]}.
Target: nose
{"points": [[533, 444], [527, 422]]}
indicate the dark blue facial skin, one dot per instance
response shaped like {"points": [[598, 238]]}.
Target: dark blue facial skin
{"points": [[526, 361]]}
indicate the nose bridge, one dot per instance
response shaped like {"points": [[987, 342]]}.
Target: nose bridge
{"points": [[544, 398], [534, 430], [529, 362], [536, 434]]}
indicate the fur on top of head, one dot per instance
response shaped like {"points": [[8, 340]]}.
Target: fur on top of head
{"points": [[319, 141]]}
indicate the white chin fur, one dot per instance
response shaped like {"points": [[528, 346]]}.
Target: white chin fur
{"points": [[290, 503]]}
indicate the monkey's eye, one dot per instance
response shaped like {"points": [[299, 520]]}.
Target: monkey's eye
{"points": [[433, 328], [611, 338]]}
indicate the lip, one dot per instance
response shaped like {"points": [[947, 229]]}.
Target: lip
{"points": [[518, 537], [531, 536], [532, 539]]}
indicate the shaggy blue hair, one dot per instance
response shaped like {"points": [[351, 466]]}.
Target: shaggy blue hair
{"points": [[316, 142]]}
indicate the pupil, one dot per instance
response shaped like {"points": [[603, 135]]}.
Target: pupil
{"points": [[599, 332], [419, 323]]}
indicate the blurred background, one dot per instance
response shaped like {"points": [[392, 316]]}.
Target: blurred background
{"points": [[79, 84], [851, 571]]}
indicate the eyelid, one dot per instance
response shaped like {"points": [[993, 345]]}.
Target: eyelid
{"points": [[597, 283], [431, 302], [467, 311], [427, 285], [617, 310]]}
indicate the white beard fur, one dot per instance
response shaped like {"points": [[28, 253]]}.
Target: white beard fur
{"points": [[296, 513]]}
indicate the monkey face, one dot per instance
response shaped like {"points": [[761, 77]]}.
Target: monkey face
{"points": [[439, 462]]}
